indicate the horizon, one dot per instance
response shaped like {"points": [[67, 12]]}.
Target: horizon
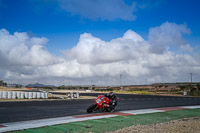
{"points": [[87, 85]]}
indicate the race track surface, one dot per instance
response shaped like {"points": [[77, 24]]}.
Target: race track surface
{"points": [[20, 111]]}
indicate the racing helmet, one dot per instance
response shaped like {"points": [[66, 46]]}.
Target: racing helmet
{"points": [[111, 94]]}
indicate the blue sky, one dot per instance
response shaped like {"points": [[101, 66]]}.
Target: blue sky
{"points": [[76, 41], [63, 28]]}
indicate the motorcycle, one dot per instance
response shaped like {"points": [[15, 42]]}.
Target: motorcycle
{"points": [[102, 103]]}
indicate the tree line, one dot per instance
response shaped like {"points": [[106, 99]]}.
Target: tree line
{"points": [[2, 83]]}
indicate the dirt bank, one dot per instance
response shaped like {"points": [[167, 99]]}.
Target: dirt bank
{"points": [[186, 125]]}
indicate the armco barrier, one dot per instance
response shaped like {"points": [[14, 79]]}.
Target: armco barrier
{"points": [[23, 95]]}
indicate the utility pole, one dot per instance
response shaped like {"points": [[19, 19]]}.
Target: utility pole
{"points": [[91, 84], [191, 77], [121, 80]]}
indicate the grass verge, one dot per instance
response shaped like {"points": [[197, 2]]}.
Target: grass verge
{"points": [[111, 124]]}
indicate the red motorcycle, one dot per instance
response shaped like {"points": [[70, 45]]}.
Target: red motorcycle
{"points": [[102, 103]]}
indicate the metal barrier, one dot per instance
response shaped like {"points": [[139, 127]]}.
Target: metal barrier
{"points": [[23, 95], [71, 95]]}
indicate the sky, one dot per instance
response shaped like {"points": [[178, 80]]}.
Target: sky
{"points": [[84, 42]]}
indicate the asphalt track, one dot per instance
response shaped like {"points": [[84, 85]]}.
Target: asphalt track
{"points": [[20, 111]]}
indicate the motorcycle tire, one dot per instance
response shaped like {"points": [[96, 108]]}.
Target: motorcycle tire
{"points": [[91, 108], [110, 109]]}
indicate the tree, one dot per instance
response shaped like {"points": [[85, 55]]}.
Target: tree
{"points": [[198, 86], [3, 83]]}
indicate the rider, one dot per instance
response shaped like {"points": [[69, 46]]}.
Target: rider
{"points": [[113, 100]]}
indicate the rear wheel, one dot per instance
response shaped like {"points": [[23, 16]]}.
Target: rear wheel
{"points": [[91, 108]]}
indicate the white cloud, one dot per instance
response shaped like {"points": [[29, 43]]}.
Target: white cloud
{"points": [[21, 55], [25, 59], [100, 9], [20, 49], [92, 50], [168, 34]]}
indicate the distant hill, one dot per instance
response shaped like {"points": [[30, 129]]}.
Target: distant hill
{"points": [[38, 85]]}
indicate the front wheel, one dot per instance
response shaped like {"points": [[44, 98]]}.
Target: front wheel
{"points": [[91, 108]]}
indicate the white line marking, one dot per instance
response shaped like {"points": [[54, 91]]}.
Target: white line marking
{"points": [[142, 111], [190, 107]]}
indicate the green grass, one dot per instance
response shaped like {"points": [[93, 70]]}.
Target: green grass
{"points": [[111, 124]]}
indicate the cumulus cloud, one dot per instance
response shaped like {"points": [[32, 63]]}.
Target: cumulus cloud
{"points": [[25, 59], [100, 9], [168, 34], [21, 55], [93, 50], [20, 49]]}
